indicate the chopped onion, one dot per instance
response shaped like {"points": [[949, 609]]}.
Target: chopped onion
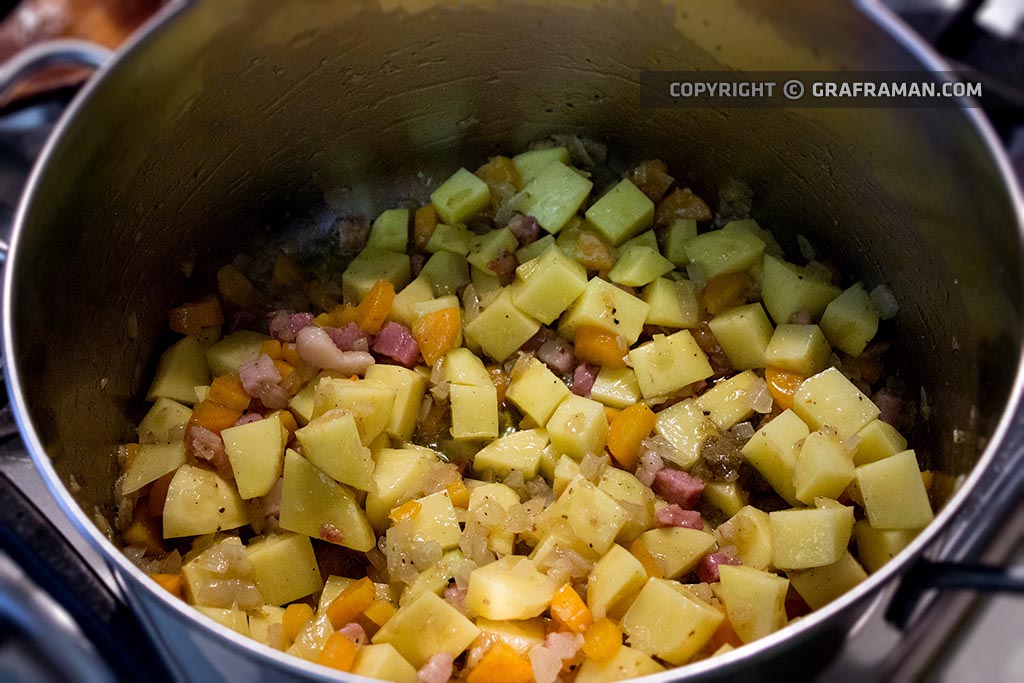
{"points": [[759, 398], [470, 303], [884, 302], [806, 248], [697, 275], [743, 431], [546, 664]]}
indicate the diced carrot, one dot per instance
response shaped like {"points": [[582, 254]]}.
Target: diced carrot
{"points": [[214, 417], [437, 332], [345, 314], [322, 295], [286, 369], [288, 422], [339, 652], [169, 582], [601, 347], [351, 602], [569, 610], [157, 496], [295, 618], [326, 320], [144, 531], [651, 177], [610, 413], [627, 431], [379, 612], [423, 225], [500, 380], [287, 273], [869, 366], [501, 177], [927, 477], [641, 553], [227, 391], [374, 309], [782, 384], [681, 204], [458, 494], [726, 291], [724, 635], [191, 318], [501, 664], [272, 348], [593, 252], [406, 510], [602, 640], [236, 288], [290, 354]]}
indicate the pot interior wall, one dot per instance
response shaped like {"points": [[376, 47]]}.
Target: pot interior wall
{"points": [[243, 118]]}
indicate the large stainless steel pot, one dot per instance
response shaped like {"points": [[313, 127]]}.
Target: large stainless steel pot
{"points": [[224, 116]]}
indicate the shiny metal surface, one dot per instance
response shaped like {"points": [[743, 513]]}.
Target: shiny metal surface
{"points": [[227, 115]]}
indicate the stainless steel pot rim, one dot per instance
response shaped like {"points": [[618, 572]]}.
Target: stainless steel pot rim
{"points": [[128, 572]]}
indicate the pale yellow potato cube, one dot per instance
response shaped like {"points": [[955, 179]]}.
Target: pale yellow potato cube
{"points": [[423, 308], [593, 516], [667, 621], [604, 305], [535, 390], [673, 303], [613, 582], [755, 601], [669, 363], [383, 662], [284, 568], [875, 547], [371, 403], [460, 197], [616, 387], [529, 164], [677, 549], [556, 541], [772, 452], [390, 231], [370, 266], [535, 249], [639, 499], [894, 494], [850, 320], [555, 195], [425, 627], [409, 388], [332, 443], [728, 402], [578, 427], [639, 265], [486, 284], [256, 453], [876, 441], [200, 502], [788, 289], [499, 540], [462, 366], [749, 531], [685, 426], [501, 328], [301, 404], [232, 352], [437, 521], [416, 292], [260, 623], [201, 570], [509, 588], [484, 249], [823, 468], [623, 211], [234, 619], [181, 368], [566, 469], [519, 451], [547, 285], [166, 419], [732, 249], [821, 585], [152, 462], [627, 663], [810, 537], [743, 333], [474, 412], [828, 398], [518, 635], [802, 349], [727, 496], [397, 477]]}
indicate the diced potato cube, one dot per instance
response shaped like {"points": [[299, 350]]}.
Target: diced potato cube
{"points": [[802, 349], [535, 249], [773, 449], [638, 266], [390, 231], [727, 496], [821, 585], [164, 419], [624, 211], [876, 441], [644, 239], [545, 287], [284, 568], [509, 588], [434, 579], [604, 305], [205, 567], [639, 499], [679, 232], [383, 662], [462, 366], [182, 367], [591, 514], [486, 248], [486, 284], [788, 289], [686, 427], [828, 398], [519, 635], [520, 451], [729, 401], [446, 272], [415, 292], [152, 462], [260, 623], [256, 453], [232, 352], [627, 663], [743, 333], [409, 389], [810, 537], [530, 164], [474, 412], [370, 266], [301, 404], [755, 601], [823, 468], [199, 502], [554, 544], [875, 547], [677, 549], [850, 320], [499, 540], [425, 627], [616, 387], [750, 532], [578, 426], [615, 579], [729, 250], [332, 443], [315, 505], [436, 520], [894, 494], [566, 469], [555, 195], [501, 328], [460, 197], [452, 238], [673, 303], [234, 619], [669, 363], [668, 621], [370, 402], [536, 391]]}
